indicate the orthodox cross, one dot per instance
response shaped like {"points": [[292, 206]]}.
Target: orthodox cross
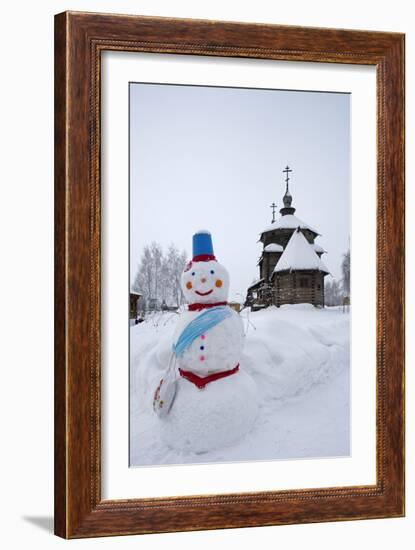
{"points": [[286, 171], [274, 207]]}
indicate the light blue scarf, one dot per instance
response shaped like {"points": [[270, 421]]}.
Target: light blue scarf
{"points": [[203, 322]]}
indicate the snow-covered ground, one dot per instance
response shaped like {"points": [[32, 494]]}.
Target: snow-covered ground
{"points": [[299, 358]]}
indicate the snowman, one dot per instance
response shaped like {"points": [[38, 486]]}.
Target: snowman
{"points": [[206, 401]]}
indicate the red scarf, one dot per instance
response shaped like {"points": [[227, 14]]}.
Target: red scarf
{"points": [[202, 381], [199, 307]]}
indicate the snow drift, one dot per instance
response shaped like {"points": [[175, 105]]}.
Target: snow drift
{"points": [[298, 357]]}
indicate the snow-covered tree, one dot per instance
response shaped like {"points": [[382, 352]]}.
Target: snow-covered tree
{"points": [[176, 262], [158, 275], [157, 255], [144, 280], [346, 273], [332, 293]]}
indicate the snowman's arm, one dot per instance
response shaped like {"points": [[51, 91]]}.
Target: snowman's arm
{"points": [[239, 322]]}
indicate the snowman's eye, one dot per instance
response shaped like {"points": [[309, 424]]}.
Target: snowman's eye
{"points": [[212, 272], [193, 274]]}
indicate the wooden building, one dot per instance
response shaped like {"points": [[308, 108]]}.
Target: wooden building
{"points": [[134, 299], [291, 270]]}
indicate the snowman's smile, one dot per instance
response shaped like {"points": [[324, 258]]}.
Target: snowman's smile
{"points": [[204, 293]]}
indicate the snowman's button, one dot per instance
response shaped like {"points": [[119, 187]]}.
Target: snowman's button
{"points": [[202, 347], [202, 357], [202, 336]]}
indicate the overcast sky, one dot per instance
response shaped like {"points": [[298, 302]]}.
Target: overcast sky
{"points": [[212, 158]]}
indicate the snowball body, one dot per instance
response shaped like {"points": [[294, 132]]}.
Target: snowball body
{"points": [[222, 412]]}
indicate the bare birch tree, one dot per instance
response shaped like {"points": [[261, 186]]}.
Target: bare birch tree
{"points": [[332, 293], [158, 275], [346, 273]]}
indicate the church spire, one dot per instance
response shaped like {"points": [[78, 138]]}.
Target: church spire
{"points": [[287, 198]]}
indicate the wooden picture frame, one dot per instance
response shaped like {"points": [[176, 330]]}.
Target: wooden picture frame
{"points": [[79, 40]]}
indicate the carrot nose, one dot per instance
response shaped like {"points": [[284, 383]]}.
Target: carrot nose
{"points": [[203, 280]]}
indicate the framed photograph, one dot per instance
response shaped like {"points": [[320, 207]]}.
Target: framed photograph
{"points": [[229, 275]]}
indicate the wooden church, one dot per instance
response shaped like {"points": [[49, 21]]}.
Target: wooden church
{"points": [[291, 270]]}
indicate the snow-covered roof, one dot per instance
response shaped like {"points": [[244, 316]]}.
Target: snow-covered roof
{"points": [[318, 248], [273, 247], [255, 283], [298, 254], [289, 221]]}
